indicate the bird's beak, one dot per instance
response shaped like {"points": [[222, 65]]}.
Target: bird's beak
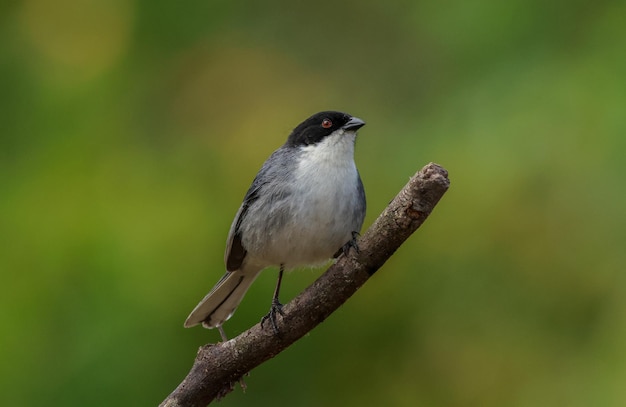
{"points": [[354, 124]]}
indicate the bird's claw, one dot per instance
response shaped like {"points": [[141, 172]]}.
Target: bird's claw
{"points": [[276, 308], [352, 243], [345, 249]]}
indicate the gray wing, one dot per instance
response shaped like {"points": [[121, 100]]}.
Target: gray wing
{"points": [[274, 169], [362, 200], [235, 252]]}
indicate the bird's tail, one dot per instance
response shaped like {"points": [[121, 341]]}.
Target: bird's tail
{"points": [[222, 301]]}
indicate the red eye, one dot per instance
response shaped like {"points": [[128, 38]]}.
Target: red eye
{"points": [[327, 123]]}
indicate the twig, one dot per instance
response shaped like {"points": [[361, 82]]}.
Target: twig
{"points": [[218, 367]]}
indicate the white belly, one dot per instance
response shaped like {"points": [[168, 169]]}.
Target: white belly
{"points": [[319, 215]]}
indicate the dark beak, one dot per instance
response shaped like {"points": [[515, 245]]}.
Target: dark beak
{"points": [[354, 124]]}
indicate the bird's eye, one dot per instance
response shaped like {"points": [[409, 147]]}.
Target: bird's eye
{"points": [[327, 123]]}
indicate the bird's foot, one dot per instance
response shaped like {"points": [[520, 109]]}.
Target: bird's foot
{"points": [[276, 308], [352, 243]]}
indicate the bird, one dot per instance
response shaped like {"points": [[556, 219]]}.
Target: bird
{"points": [[305, 206]]}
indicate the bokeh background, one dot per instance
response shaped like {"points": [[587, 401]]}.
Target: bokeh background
{"points": [[130, 131]]}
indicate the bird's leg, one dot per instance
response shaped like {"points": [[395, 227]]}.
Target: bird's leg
{"points": [[352, 243], [222, 333], [277, 307]]}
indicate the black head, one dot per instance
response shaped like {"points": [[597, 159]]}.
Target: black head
{"points": [[320, 125]]}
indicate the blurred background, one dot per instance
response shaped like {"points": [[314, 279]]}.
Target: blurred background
{"points": [[130, 131]]}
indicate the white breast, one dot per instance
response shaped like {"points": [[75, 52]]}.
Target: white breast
{"points": [[326, 182]]}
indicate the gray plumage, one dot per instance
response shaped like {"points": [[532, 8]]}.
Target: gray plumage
{"points": [[302, 207]]}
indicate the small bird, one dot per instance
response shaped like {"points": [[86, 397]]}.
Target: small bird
{"points": [[305, 205]]}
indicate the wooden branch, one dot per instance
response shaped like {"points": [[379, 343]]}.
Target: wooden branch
{"points": [[218, 367]]}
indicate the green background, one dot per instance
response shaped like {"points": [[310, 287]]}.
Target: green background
{"points": [[130, 131]]}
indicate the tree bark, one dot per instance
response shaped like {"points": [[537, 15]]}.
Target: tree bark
{"points": [[218, 367]]}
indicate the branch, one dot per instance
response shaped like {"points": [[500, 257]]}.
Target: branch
{"points": [[219, 366]]}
